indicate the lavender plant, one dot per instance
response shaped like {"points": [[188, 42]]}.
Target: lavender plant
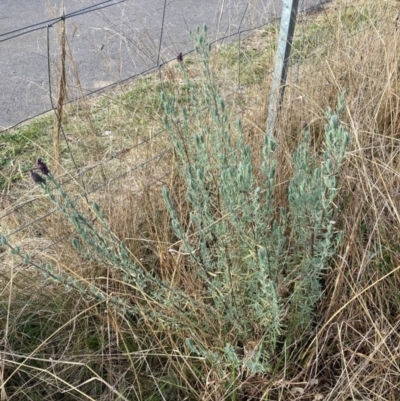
{"points": [[241, 251]]}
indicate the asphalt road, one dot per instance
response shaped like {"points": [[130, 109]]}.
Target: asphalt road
{"points": [[107, 44]]}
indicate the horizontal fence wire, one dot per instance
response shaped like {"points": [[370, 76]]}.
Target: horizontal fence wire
{"points": [[44, 24]]}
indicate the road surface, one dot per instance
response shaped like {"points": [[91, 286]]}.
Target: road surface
{"points": [[113, 40]]}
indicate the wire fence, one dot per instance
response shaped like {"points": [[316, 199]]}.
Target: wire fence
{"points": [[23, 206], [112, 42]]}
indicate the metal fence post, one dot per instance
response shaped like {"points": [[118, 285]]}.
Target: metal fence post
{"points": [[288, 22]]}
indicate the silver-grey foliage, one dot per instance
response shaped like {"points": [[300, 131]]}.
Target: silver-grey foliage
{"points": [[253, 265]]}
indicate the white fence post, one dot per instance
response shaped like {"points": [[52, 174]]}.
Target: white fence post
{"points": [[288, 22]]}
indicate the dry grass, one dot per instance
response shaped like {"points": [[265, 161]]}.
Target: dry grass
{"points": [[64, 346]]}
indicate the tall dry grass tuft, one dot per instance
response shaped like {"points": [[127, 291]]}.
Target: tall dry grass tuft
{"points": [[62, 87]]}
